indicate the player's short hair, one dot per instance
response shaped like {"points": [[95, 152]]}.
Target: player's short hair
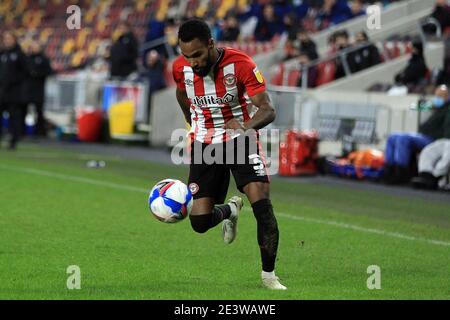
{"points": [[194, 29]]}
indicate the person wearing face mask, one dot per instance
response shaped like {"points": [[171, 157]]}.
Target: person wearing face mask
{"points": [[400, 147]]}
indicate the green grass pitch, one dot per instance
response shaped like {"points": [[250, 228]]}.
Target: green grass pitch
{"points": [[54, 212]]}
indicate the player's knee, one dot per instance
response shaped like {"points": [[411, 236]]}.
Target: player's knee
{"points": [[257, 191], [200, 223]]}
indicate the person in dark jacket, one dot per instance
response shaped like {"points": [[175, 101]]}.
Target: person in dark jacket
{"points": [[231, 29], [400, 147], [154, 74], [306, 44], [123, 53], [13, 71], [366, 56], [268, 25], [305, 66], [334, 12], [38, 70], [442, 14], [416, 70], [342, 43]]}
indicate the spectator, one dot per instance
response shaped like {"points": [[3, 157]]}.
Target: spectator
{"points": [[444, 74], [334, 12], [268, 25], [231, 30], [442, 14], [341, 43], [357, 8], [13, 71], [154, 74], [124, 52], [311, 71], [400, 147], [366, 56], [301, 9], [416, 70], [38, 70], [155, 31], [306, 44], [291, 26], [434, 163]]}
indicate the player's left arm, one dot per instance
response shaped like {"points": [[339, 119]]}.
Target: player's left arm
{"points": [[265, 113], [263, 116]]}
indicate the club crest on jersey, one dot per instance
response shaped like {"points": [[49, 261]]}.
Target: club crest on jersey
{"points": [[193, 187], [208, 100], [229, 80]]}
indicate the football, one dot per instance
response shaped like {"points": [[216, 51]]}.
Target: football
{"points": [[170, 201]]}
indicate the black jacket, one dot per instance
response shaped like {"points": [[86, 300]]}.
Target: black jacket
{"points": [[309, 47], [123, 55], [13, 72], [438, 125], [38, 70], [414, 72], [442, 15], [363, 58]]}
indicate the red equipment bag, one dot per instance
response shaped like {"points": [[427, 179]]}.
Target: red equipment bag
{"points": [[299, 154]]}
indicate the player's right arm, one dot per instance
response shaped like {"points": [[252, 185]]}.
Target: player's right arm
{"points": [[185, 104], [181, 94]]}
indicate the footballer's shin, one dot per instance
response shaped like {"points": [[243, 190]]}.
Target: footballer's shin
{"points": [[268, 235]]}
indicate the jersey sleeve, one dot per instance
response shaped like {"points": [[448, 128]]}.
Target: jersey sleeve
{"points": [[178, 75], [251, 77]]}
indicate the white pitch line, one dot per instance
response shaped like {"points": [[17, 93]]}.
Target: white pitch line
{"points": [[76, 179], [280, 214]]}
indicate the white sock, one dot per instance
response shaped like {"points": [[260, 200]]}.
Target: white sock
{"points": [[233, 208], [268, 274]]}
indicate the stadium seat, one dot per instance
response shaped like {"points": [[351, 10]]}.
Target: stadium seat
{"points": [[326, 71], [277, 79], [293, 77]]}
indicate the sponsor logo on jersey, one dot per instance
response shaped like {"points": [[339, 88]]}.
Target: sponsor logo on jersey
{"points": [[209, 100], [189, 82], [258, 75]]}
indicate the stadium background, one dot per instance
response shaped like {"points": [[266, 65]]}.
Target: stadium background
{"points": [[333, 229]]}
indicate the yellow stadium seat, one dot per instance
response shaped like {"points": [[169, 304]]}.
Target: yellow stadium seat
{"points": [[90, 15], [68, 46], [78, 58], [162, 11], [45, 34], [225, 6], [93, 46], [140, 5]]}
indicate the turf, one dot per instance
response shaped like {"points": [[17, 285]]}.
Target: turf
{"points": [[55, 212]]}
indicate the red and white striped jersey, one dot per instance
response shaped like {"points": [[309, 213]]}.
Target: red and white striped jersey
{"points": [[219, 97]]}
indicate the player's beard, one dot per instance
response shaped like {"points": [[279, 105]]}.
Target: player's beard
{"points": [[203, 71]]}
